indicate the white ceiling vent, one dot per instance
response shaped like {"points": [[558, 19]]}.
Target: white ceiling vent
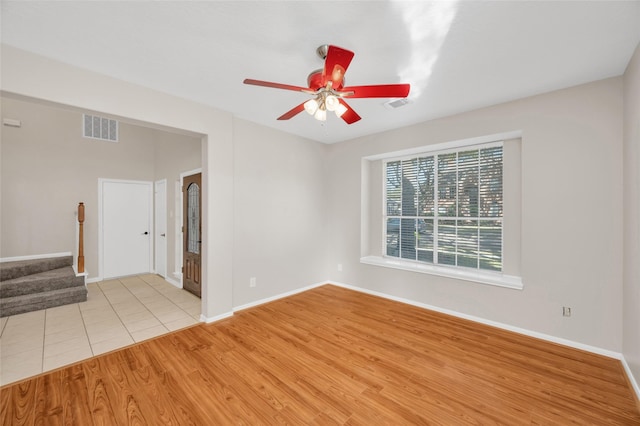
{"points": [[396, 103], [101, 128]]}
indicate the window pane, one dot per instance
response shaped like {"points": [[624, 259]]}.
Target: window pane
{"points": [[447, 184], [393, 237], [425, 240], [491, 182], [426, 186], [491, 245], [394, 188], [447, 242], [425, 256], [468, 183], [408, 239], [425, 234], [409, 181], [468, 243], [193, 218]]}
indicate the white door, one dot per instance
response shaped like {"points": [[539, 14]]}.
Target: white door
{"points": [[161, 227], [126, 208]]}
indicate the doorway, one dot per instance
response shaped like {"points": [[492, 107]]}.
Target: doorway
{"points": [[192, 233], [124, 221]]}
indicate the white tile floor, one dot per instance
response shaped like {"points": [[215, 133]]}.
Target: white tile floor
{"points": [[117, 313]]}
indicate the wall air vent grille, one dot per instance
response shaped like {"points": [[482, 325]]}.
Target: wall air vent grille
{"points": [[397, 103], [95, 127]]}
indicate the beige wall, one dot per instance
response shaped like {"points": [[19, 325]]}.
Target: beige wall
{"points": [[31, 75], [631, 290], [571, 232], [48, 167], [280, 232]]}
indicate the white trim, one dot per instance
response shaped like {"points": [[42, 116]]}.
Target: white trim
{"points": [[443, 148], [92, 280], [278, 296], [632, 379], [189, 173], [209, 320], [173, 282], [559, 340], [35, 257], [515, 134], [156, 225], [490, 278]]}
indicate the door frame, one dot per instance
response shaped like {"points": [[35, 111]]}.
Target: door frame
{"points": [[101, 182], [156, 226], [179, 242]]}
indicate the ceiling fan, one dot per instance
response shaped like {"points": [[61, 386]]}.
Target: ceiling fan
{"points": [[328, 90]]}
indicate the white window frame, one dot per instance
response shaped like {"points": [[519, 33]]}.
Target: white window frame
{"points": [[462, 273]]}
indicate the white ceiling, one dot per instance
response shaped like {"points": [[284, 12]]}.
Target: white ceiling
{"points": [[457, 56]]}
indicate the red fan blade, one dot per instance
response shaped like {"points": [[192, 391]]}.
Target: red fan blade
{"points": [[335, 65], [378, 91], [292, 112], [350, 116], [276, 85]]}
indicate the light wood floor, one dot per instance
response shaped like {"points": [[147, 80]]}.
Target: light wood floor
{"points": [[331, 356]]}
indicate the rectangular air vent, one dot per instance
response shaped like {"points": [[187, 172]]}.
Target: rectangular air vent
{"points": [[397, 103], [101, 128]]}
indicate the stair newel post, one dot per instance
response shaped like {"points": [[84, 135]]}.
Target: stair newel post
{"points": [[80, 238]]}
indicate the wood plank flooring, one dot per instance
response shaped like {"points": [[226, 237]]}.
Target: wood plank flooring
{"points": [[331, 356]]}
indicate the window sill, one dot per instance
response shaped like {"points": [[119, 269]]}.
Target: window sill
{"points": [[497, 279]]}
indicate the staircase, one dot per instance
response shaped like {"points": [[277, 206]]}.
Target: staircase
{"points": [[31, 285]]}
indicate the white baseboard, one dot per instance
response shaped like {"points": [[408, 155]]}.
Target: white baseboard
{"points": [[35, 256], [173, 282], [209, 320], [278, 296], [632, 379], [559, 340]]}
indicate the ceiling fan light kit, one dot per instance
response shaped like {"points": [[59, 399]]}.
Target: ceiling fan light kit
{"points": [[327, 88]]}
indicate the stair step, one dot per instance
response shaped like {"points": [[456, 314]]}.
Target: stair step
{"points": [[44, 281], [48, 299], [20, 268]]}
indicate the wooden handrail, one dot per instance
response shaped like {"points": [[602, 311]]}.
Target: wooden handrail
{"points": [[80, 238]]}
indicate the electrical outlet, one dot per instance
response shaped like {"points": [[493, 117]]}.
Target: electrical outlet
{"points": [[566, 311], [339, 267], [252, 282]]}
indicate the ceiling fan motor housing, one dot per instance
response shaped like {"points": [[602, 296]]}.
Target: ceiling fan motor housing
{"points": [[315, 81]]}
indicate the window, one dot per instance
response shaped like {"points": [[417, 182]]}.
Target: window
{"points": [[446, 207]]}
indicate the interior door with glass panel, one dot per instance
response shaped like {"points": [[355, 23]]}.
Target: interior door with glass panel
{"points": [[192, 233]]}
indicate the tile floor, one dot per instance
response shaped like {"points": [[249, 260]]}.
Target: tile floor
{"points": [[117, 313]]}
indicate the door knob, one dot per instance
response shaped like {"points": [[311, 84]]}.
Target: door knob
{"points": [[163, 235], [145, 233]]}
